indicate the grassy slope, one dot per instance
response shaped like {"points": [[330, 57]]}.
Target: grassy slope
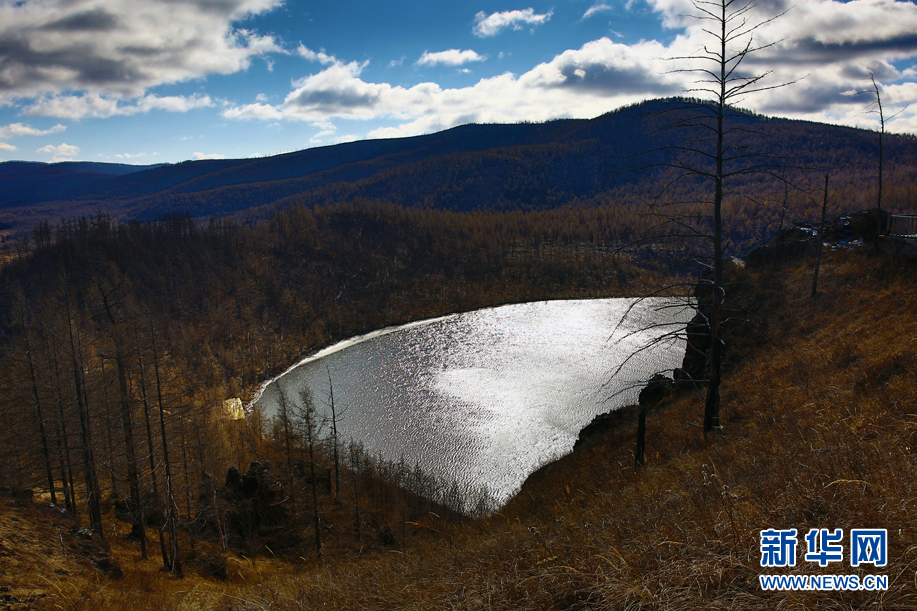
{"points": [[819, 430]]}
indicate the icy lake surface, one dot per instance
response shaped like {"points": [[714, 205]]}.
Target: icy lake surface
{"points": [[485, 398]]}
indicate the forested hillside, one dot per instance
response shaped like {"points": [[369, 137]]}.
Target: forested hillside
{"points": [[568, 163], [816, 430], [107, 327]]}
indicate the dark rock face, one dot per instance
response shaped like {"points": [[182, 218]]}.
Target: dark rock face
{"points": [[233, 479], [695, 359], [657, 389], [600, 424]]}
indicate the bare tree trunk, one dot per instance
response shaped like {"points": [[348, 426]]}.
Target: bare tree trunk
{"points": [[109, 442], [821, 239], [63, 439], [881, 164], [133, 471], [89, 461], [45, 451], [183, 439], [641, 439], [723, 81], [149, 441], [309, 429], [174, 561], [354, 469], [712, 405], [334, 436]]}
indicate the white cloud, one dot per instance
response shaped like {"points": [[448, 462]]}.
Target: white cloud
{"points": [[18, 129], [823, 38], [60, 152], [14, 130], [93, 105], [263, 112], [326, 128], [128, 156], [320, 57], [596, 8], [338, 91], [490, 25], [122, 47], [200, 156], [452, 57], [581, 83]]}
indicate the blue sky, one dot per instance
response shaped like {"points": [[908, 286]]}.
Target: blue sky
{"points": [[162, 81]]}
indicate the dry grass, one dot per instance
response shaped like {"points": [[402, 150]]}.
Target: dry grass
{"points": [[819, 431]]}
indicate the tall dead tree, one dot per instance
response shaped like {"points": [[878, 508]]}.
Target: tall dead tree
{"points": [[111, 302], [36, 396], [881, 112], [93, 493], [63, 439], [309, 429], [151, 454], [334, 436], [173, 561], [821, 238], [714, 151]]}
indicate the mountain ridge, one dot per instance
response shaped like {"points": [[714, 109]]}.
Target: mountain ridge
{"points": [[494, 167]]}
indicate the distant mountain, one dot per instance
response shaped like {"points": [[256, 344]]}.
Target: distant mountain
{"points": [[472, 167], [30, 182]]}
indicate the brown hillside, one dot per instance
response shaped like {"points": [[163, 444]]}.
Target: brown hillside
{"points": [[818, 432]]}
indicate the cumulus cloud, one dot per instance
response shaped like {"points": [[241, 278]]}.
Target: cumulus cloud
{"points": [[579, 83], [827, 48], [121, 47], [6, 147], [452, 57], [825, 39], [490, 25], [200, 156], [336, 91], [60, 152], [609, 68]]}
